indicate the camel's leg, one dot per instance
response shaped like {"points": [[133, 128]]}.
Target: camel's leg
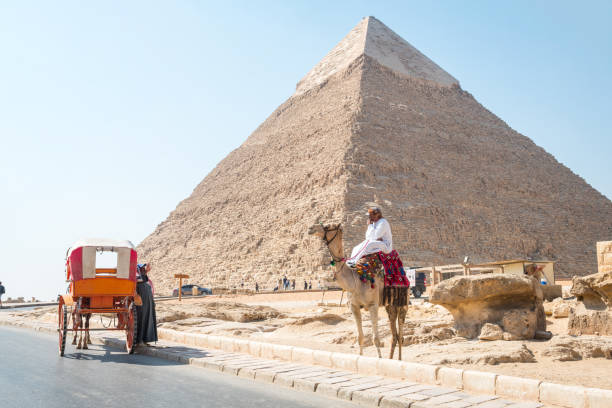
{"points": [[401, 317], [374, 319], [357, 315], [392, 313]]}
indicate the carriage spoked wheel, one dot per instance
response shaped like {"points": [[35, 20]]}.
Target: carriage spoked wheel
{"points": [[130, 329], [62, 326]]}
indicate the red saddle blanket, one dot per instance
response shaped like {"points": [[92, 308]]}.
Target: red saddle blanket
{"points": [[394, 269], [394, 274]]}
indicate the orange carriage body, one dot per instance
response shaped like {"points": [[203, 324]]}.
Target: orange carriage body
{"points": [[100, 290]]}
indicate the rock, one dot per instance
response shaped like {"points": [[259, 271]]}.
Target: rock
{"points": [[493, 354], [491, 331], [548, 307], [568, 348], [513, 302], [437, 334], [592, 314], [561, 309]]}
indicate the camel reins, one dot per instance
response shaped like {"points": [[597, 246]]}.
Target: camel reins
{"points": [[327, 242]]}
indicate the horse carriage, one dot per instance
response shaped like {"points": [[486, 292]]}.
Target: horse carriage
{"points": [[108, 291]]}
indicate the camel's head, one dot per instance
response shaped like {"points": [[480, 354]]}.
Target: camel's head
{"points": [[320, 230]]}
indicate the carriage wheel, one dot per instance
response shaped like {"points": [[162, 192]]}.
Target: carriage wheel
{"points": [[62, 326], [131, 329]]}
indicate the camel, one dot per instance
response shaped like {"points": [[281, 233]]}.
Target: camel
{"points": [[361, 295]]}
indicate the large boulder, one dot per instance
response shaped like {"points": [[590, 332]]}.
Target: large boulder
{"points": [[592, 314], [569, 348], [512, 302]]}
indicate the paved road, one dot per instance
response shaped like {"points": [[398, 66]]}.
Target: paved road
{"points": [[33, 375]]}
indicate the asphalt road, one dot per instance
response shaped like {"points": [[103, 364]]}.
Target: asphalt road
{"points": [[33, 375]]}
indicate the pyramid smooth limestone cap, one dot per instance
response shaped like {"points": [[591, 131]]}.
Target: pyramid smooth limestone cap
{"points": [[372, 38]]}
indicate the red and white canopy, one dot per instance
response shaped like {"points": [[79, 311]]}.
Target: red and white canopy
{"points": [[82, 257]]}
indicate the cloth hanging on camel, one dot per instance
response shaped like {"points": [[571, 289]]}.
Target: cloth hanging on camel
{"points": [[394, 269], [396, 283]]}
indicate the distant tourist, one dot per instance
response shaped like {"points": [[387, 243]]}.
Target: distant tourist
{"points": [[2, 290], [310, 285], [293, 284], [305, 285], [147, 321], [256, 287], [275, 289]]}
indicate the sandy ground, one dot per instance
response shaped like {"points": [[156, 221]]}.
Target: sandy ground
{"points": [[314, 320]]}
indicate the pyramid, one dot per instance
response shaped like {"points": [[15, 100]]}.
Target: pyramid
{"points": [[378, 122]]}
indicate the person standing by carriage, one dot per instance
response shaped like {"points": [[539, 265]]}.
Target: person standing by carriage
{"points": [[147, 321]]}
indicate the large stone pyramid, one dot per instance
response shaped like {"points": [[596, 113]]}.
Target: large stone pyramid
{"points": [[376, 121]]}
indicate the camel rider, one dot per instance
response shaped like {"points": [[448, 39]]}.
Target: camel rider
{"points": [[377, 238]]}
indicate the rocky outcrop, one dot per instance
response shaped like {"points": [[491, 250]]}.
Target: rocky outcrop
{"points": [[491, 353], [559, 307], [592, 314], [512, 302], [568, 348], [491, 331], [562, 308]]}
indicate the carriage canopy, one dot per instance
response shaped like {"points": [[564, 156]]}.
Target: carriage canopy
{"points": [[81, 259]]}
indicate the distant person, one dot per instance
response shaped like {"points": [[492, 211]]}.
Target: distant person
{"points": [[2, 290], [310, 285], [293, 284], [305, 285], [275, 289], [147, 321], [256, 287]]}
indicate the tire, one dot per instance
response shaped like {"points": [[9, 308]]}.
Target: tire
{"points": [[131, 330], [62, 326]]}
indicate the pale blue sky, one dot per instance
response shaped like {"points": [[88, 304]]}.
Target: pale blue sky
{"points": [[111, 112]]}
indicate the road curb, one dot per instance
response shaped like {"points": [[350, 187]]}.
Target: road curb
{"points": [[478, 382]]}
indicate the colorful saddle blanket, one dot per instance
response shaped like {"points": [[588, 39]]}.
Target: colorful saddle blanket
{"points": [[394, 274]]}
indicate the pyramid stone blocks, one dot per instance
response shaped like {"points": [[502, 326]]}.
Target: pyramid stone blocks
{"points": [[376, 121]]}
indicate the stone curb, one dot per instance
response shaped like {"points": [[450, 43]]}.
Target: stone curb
{"points": [[284, 369], [478, 382]]}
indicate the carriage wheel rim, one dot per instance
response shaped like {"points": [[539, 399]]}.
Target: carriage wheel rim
{"points": [[130, 330]]}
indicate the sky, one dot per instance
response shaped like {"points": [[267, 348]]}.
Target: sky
{"points": [[112, 112]]}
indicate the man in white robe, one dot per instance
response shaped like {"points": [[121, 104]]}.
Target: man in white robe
{"points": [[377, 238]]}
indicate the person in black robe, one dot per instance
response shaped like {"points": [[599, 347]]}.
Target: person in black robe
{"points": [[147, 322]]}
